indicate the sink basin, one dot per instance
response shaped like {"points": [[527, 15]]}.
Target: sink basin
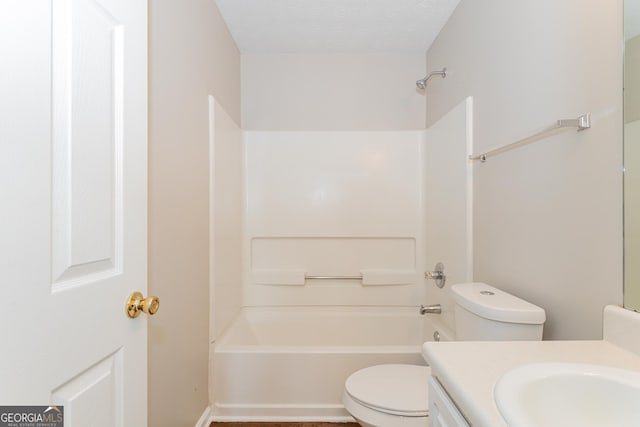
{"points": [[569, 394]]}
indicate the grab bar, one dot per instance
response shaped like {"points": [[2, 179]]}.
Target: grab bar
{"points": [[583, 122], [368, 277]]}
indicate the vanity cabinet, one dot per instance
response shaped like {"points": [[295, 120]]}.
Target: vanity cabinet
{"points": [[442, 411]]}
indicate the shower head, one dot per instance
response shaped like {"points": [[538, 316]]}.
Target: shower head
{"points": [[422, 83]]}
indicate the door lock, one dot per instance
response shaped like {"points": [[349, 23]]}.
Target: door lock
{"points": [[137, 303]]}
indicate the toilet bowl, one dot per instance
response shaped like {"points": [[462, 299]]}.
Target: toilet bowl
{"points": [[397, 395], [388, 395]]}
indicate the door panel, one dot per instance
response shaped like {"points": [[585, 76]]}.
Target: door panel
{"points": [[90, 399], [87, 67], [73, 218]]}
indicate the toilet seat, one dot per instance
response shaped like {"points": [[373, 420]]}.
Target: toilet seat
{"points": [[395, 389]]}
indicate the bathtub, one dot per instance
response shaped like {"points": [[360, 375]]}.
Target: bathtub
{"points": [[290, 363]]}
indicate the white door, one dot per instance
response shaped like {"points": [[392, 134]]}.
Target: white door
{"points": [[73, 147]]}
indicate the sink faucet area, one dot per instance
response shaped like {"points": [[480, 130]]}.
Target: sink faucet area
{"points": [[569, 394]]}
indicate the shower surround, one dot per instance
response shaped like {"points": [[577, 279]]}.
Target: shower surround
{"points": [[334, 250]]}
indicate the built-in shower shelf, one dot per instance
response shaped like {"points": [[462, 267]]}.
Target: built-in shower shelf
{"points": [[317, 261], [366, 277]]}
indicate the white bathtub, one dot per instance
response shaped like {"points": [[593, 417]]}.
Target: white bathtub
{"points": [[284, 364]]}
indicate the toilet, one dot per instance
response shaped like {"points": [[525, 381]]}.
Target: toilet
{"points": [[396, 395]]}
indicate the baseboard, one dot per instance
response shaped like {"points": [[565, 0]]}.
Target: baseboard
{"points": [[280, 413], [205, 419]]}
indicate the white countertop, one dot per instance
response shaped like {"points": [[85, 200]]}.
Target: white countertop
{"points": [[469, 370]]}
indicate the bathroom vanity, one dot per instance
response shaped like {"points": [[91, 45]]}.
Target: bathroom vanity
{"points": [[468, 371], [442, 410]]}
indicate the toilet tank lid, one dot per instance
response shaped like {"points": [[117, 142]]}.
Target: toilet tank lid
{"points": [[492, 303]]}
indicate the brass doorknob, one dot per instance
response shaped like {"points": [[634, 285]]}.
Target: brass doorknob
{"points": [[137, 303]]}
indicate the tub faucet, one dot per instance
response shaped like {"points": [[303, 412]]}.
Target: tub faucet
{"points": [[431, 309]]}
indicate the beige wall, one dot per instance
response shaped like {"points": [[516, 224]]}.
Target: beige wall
{"points": [[632, 214], [332, 92], [632, 172], [632, 81], [191, 56], [548, 216]]}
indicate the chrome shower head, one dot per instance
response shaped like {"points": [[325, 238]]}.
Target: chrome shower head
{"points": [[422, 83]]}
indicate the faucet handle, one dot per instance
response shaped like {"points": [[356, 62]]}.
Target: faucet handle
{"points": [[437, 275]]}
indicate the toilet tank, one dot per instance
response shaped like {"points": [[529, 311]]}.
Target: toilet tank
{"points": [[484, 313]]}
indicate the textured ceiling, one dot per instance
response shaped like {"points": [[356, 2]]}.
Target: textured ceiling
{"points": [[316, 26]]}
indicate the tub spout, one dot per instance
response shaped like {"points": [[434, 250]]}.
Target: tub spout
{"points": [[431, 309]]}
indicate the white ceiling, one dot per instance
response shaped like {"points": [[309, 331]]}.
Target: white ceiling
{"points": [[328, 26]]}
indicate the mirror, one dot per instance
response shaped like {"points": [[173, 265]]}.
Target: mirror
{"points": [[632, 154]]}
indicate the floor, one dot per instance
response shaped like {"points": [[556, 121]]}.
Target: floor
{"points": [[309, 424]]}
